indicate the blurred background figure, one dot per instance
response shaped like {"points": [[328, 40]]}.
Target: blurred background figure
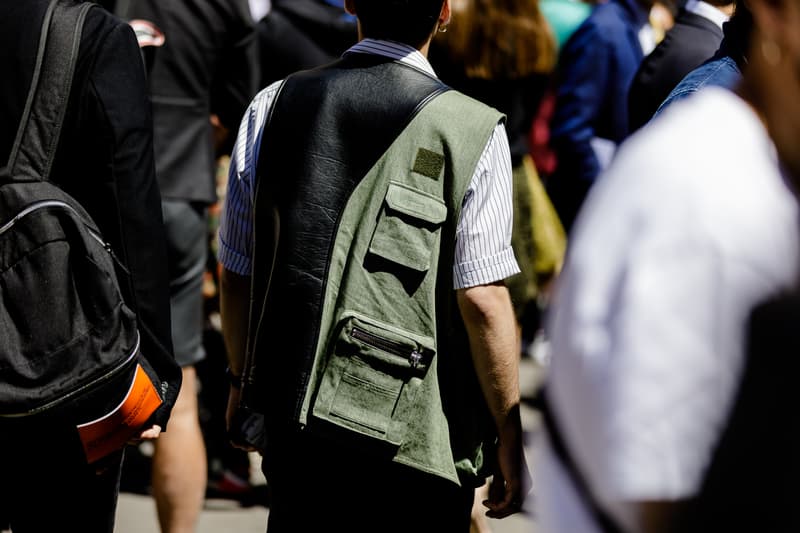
{"points": [[693, 39], [563, 17], [301, 34], [662, 19], [725, 68], [206, 70], [692, 227], [595, 69], [502, 52]]}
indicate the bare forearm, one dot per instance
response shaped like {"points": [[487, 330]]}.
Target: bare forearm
{"points": [[491, 327], [234, 310]]}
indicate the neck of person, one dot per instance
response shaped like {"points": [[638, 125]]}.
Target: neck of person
{"points": [[727, 10], [423, 49]]}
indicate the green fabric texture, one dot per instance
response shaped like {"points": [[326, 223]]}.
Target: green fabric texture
{"points": [[388, 295]]}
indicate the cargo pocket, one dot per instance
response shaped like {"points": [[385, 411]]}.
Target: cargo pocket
{"points": [[372, 378], [408, 227]]}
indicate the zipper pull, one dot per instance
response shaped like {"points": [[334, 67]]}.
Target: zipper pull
{"points": [[115, 258], [415, 359]]}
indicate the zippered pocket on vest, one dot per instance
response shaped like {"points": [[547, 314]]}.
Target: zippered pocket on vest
{"points": [[408, 227], [372, 378]]}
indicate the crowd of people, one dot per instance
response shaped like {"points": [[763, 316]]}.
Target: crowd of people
{"points": [[348, 220]]}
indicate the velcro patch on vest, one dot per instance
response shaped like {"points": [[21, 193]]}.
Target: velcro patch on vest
{"points": [[428, 163]]}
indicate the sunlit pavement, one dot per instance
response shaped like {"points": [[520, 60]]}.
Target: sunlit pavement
{"points": [[136, 513]]}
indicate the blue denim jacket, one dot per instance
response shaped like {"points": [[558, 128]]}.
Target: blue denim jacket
{"points": [[721, 72]]}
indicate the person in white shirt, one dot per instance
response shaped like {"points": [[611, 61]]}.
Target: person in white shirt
{"points": [[693, 225]]}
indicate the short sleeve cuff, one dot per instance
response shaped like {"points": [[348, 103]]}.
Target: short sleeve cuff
{"points": [[485, 270], [233, 261]]}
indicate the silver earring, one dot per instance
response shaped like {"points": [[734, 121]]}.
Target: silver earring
{"points": [[442, 29]]}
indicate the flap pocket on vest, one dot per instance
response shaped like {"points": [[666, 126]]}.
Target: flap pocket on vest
{"points": [[408, 227], [371, 380]]}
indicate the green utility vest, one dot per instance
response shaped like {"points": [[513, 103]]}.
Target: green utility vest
{"points": [[390, 370]]}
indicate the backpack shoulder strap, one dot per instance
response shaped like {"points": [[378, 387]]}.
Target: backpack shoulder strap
{"points": [[40, 128]]}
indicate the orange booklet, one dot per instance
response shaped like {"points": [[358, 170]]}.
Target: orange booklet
{"points": [[110, 432]]}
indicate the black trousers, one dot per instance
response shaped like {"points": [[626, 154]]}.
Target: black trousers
{"points": [[46, 485], [316, 485]]}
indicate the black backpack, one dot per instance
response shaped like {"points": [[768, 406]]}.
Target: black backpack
{"points": [[69, 345]]}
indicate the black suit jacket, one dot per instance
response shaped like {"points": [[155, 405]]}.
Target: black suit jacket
{"points": [[104, 157], [302, 34], [207, 65], [689, 43]]}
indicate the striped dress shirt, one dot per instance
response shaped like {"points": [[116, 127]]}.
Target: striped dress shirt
{"points": [[483, 252]]}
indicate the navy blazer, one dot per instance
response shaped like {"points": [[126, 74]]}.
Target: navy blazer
{"points": [[208, 64], [303, 34], [596, 66]]}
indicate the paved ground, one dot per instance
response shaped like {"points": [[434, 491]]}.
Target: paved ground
{"points": [[136, 513]]}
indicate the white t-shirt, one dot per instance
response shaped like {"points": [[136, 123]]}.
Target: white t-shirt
{"points": [[692, 226]]}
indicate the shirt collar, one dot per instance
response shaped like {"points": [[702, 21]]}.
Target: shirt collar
{"points": [[394, 50], [706, 10]]}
